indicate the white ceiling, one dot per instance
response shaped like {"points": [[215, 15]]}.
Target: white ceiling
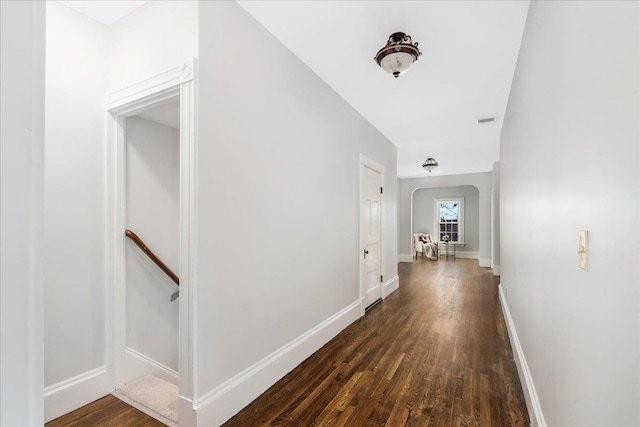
{"points": [[469, 54], [105, 12], [165, 114]]}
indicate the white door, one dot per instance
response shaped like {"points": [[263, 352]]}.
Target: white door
{"points": [[370, 226]]}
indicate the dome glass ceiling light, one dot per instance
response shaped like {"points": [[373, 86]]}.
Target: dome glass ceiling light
{"points": [[398, 55], [430, 164]]}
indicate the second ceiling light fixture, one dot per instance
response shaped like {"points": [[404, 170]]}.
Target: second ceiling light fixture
{"points": [[430, 164]]}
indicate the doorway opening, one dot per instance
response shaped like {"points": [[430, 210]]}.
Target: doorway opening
{"points": [[152, 258], [371, 220], [151, 246]]}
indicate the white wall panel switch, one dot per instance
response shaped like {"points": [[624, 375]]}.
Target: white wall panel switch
{"points": [[583, 238]]}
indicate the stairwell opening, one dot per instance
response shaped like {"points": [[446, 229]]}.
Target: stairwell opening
{"points": [[150, 360]]}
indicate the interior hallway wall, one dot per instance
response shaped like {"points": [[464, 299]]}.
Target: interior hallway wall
{"points": [[22, 74], [156, 37], [278, 177], [570, 160], [153, 213]]}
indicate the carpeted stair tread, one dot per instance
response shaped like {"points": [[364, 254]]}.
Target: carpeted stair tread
{"points": [[154, 393]]}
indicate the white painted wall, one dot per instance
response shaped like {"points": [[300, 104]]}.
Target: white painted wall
{"points": [[278, 178], [74, 194], [424, 210], [495, 218], [153, 190], [569, 161], [22, 41], [156, 37], [482, 181], [84, 61]]}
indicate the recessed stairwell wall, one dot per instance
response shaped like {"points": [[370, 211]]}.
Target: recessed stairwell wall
{"points": [[153, 195], [278, 218]]}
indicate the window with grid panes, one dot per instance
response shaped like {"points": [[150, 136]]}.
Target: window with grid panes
{"points": [[450, 219]]}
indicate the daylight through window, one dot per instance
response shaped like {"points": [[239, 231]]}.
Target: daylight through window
{"points": [[450, 224]]}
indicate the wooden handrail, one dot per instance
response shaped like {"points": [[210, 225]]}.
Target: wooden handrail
{"points": [[138, 241]]}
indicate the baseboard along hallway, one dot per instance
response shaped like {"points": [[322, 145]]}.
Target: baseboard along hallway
{"points": [[435, 352]]}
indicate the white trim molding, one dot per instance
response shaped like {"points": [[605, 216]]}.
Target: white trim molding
{"points": [[390, 286], [496, 270], [459, 254], [137, 365], [154, 85], [188, 236], [405, 258], [526, 380], [186, 413], [227, 399], [467, 254], [436, 218], [72, 393], [482, 262], [179, 82]]}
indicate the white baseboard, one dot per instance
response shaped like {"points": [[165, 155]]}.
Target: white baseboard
{"points": [[186, 414], [459, 254], [137, 365], [484, 262], [224, 401], [71, 394], [496, 270], [467, 254], [530, 395], [390, 286], [405, 258]]}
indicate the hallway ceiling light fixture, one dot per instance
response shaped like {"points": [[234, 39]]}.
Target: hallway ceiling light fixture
{"points": [[398, 55], [430, 164]]}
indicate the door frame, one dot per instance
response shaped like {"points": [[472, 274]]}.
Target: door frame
{"points": [[366, 162], [179, 81]]}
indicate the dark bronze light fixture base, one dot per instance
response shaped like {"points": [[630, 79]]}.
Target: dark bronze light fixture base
{"points": [[398, 55]]}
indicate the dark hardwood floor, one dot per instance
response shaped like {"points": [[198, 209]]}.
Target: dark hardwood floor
{"points": [[434, 353], [109, 412]]}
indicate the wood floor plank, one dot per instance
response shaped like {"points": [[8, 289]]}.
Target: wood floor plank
{"points": [[434, 353], [108, 411]]}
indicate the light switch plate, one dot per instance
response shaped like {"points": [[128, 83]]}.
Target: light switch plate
{"points": [[583, 239]]}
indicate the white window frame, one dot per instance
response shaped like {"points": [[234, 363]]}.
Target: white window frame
{"points": [[436, 218]]}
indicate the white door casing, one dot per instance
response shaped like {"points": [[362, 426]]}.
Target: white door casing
{"points": [[177, 82], [371, 194]]}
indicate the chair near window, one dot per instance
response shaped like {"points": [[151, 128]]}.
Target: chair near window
{"points": [[417, 244], [424, 244]]}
